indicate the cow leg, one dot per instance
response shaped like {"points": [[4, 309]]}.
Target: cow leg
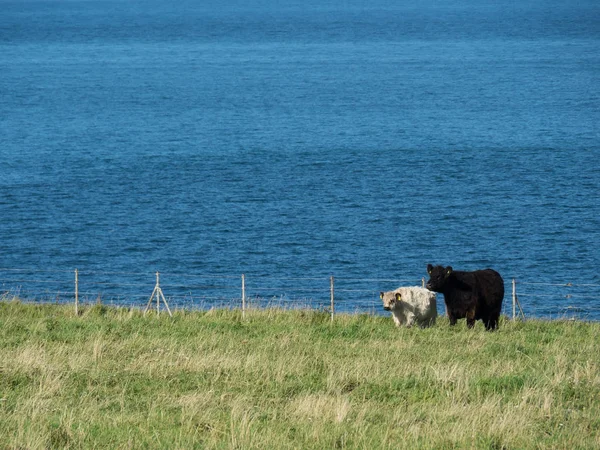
{"points": [[491, 322], [487, 321], [452, 318], [471, 318]]}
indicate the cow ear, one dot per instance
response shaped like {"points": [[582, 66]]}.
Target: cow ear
{"points": [[448, 270], [429, 268], [398, 296], [381, 295]]}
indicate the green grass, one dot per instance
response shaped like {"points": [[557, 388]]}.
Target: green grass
{"points": [[112, 378]]}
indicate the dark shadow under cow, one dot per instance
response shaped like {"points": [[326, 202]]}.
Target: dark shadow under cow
{"points": [[475, 295]]}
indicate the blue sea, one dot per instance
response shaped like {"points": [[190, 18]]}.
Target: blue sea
{"points": [[292, 141]]}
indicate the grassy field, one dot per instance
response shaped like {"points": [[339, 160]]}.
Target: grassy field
{"points": [[112, 378]]}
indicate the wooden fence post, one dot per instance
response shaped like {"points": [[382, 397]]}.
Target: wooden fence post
{"points": [[159, 296], [243, 296], [76, 292], [332, 297], [514, 300]]}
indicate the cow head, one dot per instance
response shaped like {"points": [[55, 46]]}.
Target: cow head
{"points": [[437, 277], [390, 299]]}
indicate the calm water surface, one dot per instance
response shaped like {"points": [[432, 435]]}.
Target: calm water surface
{"points": [[292, 140]]}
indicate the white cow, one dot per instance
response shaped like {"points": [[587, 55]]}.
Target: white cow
{"points": [[411, 305]]}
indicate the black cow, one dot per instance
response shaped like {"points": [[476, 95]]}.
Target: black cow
{"points": [[474, 295]]}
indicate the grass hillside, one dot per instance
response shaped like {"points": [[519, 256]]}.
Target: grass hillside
{"points": [[112, 378]]}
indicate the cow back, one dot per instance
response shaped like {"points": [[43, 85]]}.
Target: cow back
{"points": [[490, 287]]}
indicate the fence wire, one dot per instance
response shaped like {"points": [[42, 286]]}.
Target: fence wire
{"points": [[551, 300], [566, 300]]}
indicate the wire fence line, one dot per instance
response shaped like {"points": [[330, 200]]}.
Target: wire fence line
{"points": [[332, 294]]}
